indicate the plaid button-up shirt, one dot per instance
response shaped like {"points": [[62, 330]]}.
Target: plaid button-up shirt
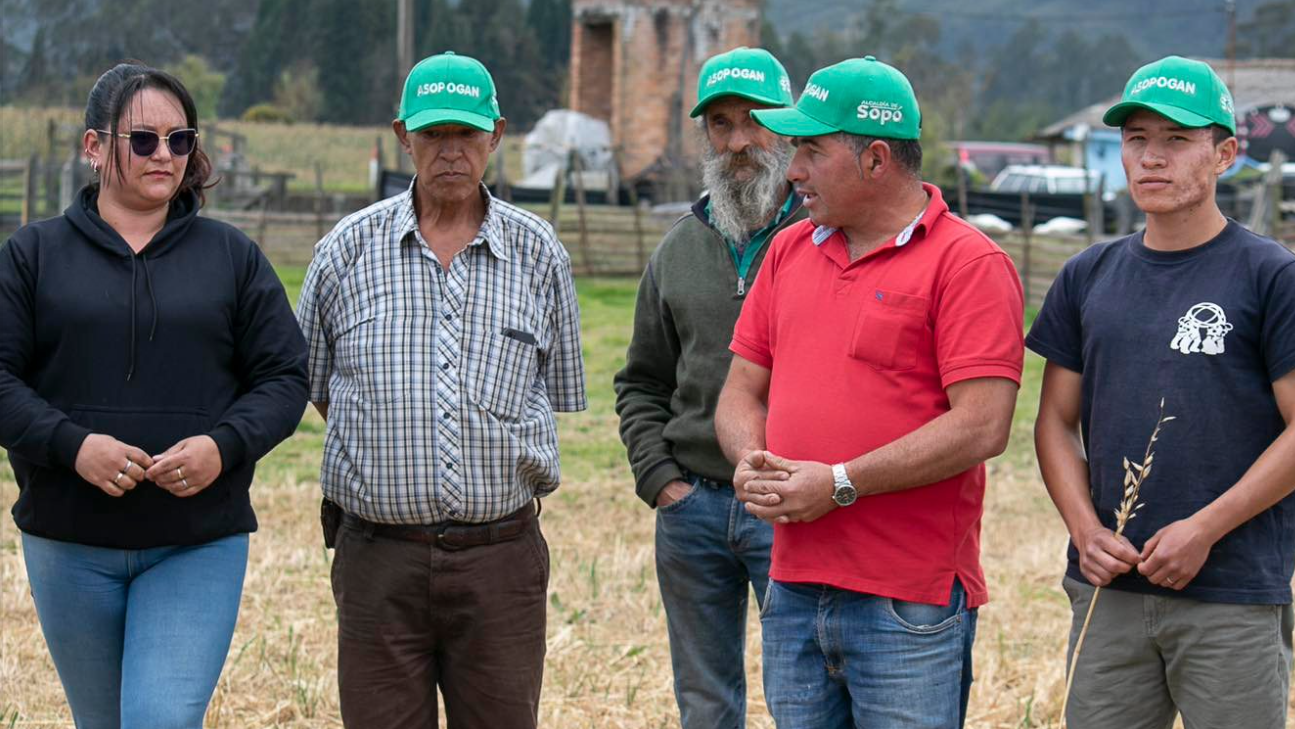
{"points": [[441, 383]]}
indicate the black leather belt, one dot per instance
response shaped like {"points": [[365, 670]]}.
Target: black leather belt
{"points": [[707, 482], [451, 536]]}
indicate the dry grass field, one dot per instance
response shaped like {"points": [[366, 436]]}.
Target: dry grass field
{"points": [[608, 660]]}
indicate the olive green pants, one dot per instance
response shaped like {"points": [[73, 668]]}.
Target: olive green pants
{"points": [[1146, 658]]}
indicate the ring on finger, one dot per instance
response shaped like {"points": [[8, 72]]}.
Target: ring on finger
{"points": [[117, 478], [184, 483], [179, 471], [129, 463]]}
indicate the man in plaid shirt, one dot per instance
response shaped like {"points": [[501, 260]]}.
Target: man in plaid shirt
{"points": [[444, 333]]}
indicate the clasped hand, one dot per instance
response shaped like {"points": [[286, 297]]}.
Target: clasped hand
{"points": [[185, 469], [780, 491]]}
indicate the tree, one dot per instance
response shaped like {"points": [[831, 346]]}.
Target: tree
{"points": [[204, 84], [297, 92], [1270, 33]]}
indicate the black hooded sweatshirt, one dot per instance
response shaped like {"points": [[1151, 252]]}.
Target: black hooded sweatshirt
{"points": [[193, 335]]}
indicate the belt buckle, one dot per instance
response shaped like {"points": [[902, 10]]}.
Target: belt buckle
{"points": [[442, 543]]}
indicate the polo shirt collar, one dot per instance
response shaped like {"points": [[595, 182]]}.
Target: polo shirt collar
{"points": [[925, 220], [491, 232]]}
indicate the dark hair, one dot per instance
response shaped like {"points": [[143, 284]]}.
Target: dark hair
{"points": [[110, 98], [907, 152], [1221, 134]]}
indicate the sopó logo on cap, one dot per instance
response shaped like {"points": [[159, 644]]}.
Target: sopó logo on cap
{"points": [[442, 87], [749, 74], [882, 112], [1165, 82]]}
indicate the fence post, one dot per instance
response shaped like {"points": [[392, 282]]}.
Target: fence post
{"points": [[51, 168], [319, 201], [962, 191], [1097, 226], [28, 189], [263, 222], [1027, 229], [1274, 192], [555, 197], [640, 250], [502, 190], [577, 175]]}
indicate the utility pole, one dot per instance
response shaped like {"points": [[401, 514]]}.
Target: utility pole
{"points": [[404, 52], [1231, 8], [404, 37]]}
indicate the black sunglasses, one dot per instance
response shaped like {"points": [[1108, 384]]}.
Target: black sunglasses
{"points": [[144, 142]]}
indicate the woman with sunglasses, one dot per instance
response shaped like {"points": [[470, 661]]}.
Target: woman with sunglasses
{"points": [[148, 358]]}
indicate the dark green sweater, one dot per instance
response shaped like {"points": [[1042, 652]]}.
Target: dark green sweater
{"points": [[688, 301]]}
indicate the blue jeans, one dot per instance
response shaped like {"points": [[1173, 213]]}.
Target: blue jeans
{"points": [[835, 659], [138, 636], [709, 554]]}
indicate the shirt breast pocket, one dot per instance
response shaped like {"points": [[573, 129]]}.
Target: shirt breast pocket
{"points": [[502, 376], [374, 357], [888, 333]]}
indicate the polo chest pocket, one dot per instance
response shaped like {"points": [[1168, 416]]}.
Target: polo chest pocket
{"points": [[500, 379], [889, 331]]}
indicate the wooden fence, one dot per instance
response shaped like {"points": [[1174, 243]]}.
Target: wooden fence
{"points": [[602, 240]]}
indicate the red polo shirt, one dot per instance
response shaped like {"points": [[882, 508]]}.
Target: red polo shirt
{"points": [[860, 355]]}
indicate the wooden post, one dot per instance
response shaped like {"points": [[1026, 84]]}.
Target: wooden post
{"points": [[502, 190], [263, 223], [1027, 230], [555, 197], [577, 170], [319, 201], [962, 191], [28, 189], [1274, 192], [51, 168], [1097, 226], [640, 250]]}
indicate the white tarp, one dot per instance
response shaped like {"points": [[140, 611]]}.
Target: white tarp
{"points": [[549, 145]]}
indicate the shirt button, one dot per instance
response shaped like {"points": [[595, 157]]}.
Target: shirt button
{"points": [[445, 366], [445, 415]]}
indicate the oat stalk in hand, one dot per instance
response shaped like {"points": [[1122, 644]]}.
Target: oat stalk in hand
{"points": [[1135, 474]]}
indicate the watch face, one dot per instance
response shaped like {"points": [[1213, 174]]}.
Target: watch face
{"points": [[844, 495]]}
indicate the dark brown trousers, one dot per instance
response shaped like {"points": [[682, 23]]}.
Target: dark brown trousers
{"points": [[413, 617]]}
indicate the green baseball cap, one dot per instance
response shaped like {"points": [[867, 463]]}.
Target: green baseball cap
{"points": [[859, 96], [752, 73], [449, 89], [1180, 89]]}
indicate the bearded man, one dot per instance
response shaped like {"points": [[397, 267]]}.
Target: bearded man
{"points": [[708, 548]]}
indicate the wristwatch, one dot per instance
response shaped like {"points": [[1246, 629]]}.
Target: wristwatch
{"points": [[843, 492]]}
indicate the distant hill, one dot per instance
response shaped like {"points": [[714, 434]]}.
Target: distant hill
{"points": [[1154, 28]]}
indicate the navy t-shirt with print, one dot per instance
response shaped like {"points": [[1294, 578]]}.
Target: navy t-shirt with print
{"points": [[1208, 329]]}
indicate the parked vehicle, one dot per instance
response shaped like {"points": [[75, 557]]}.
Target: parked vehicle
{"points": [[987, 159], [1048, 179]]}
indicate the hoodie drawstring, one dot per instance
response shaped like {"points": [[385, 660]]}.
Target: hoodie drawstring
{"points": [[152, 297], [130, 370], [148, 280]]}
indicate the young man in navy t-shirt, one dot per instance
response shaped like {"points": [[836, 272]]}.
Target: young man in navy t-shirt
{"points": [[1200, 312]]}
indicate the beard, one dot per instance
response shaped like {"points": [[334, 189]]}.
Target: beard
{"points": [[740, 206]]}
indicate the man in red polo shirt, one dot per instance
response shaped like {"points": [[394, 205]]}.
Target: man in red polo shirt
{"points": [[884, 336]]}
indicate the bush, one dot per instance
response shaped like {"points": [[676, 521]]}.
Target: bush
{"points": [[267, 113]]}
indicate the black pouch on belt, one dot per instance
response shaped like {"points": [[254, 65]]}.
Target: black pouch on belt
{"points": [[330, 518]]}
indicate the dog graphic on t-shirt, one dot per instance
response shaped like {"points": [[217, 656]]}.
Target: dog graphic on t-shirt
{"points": [[1201, 329]]}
